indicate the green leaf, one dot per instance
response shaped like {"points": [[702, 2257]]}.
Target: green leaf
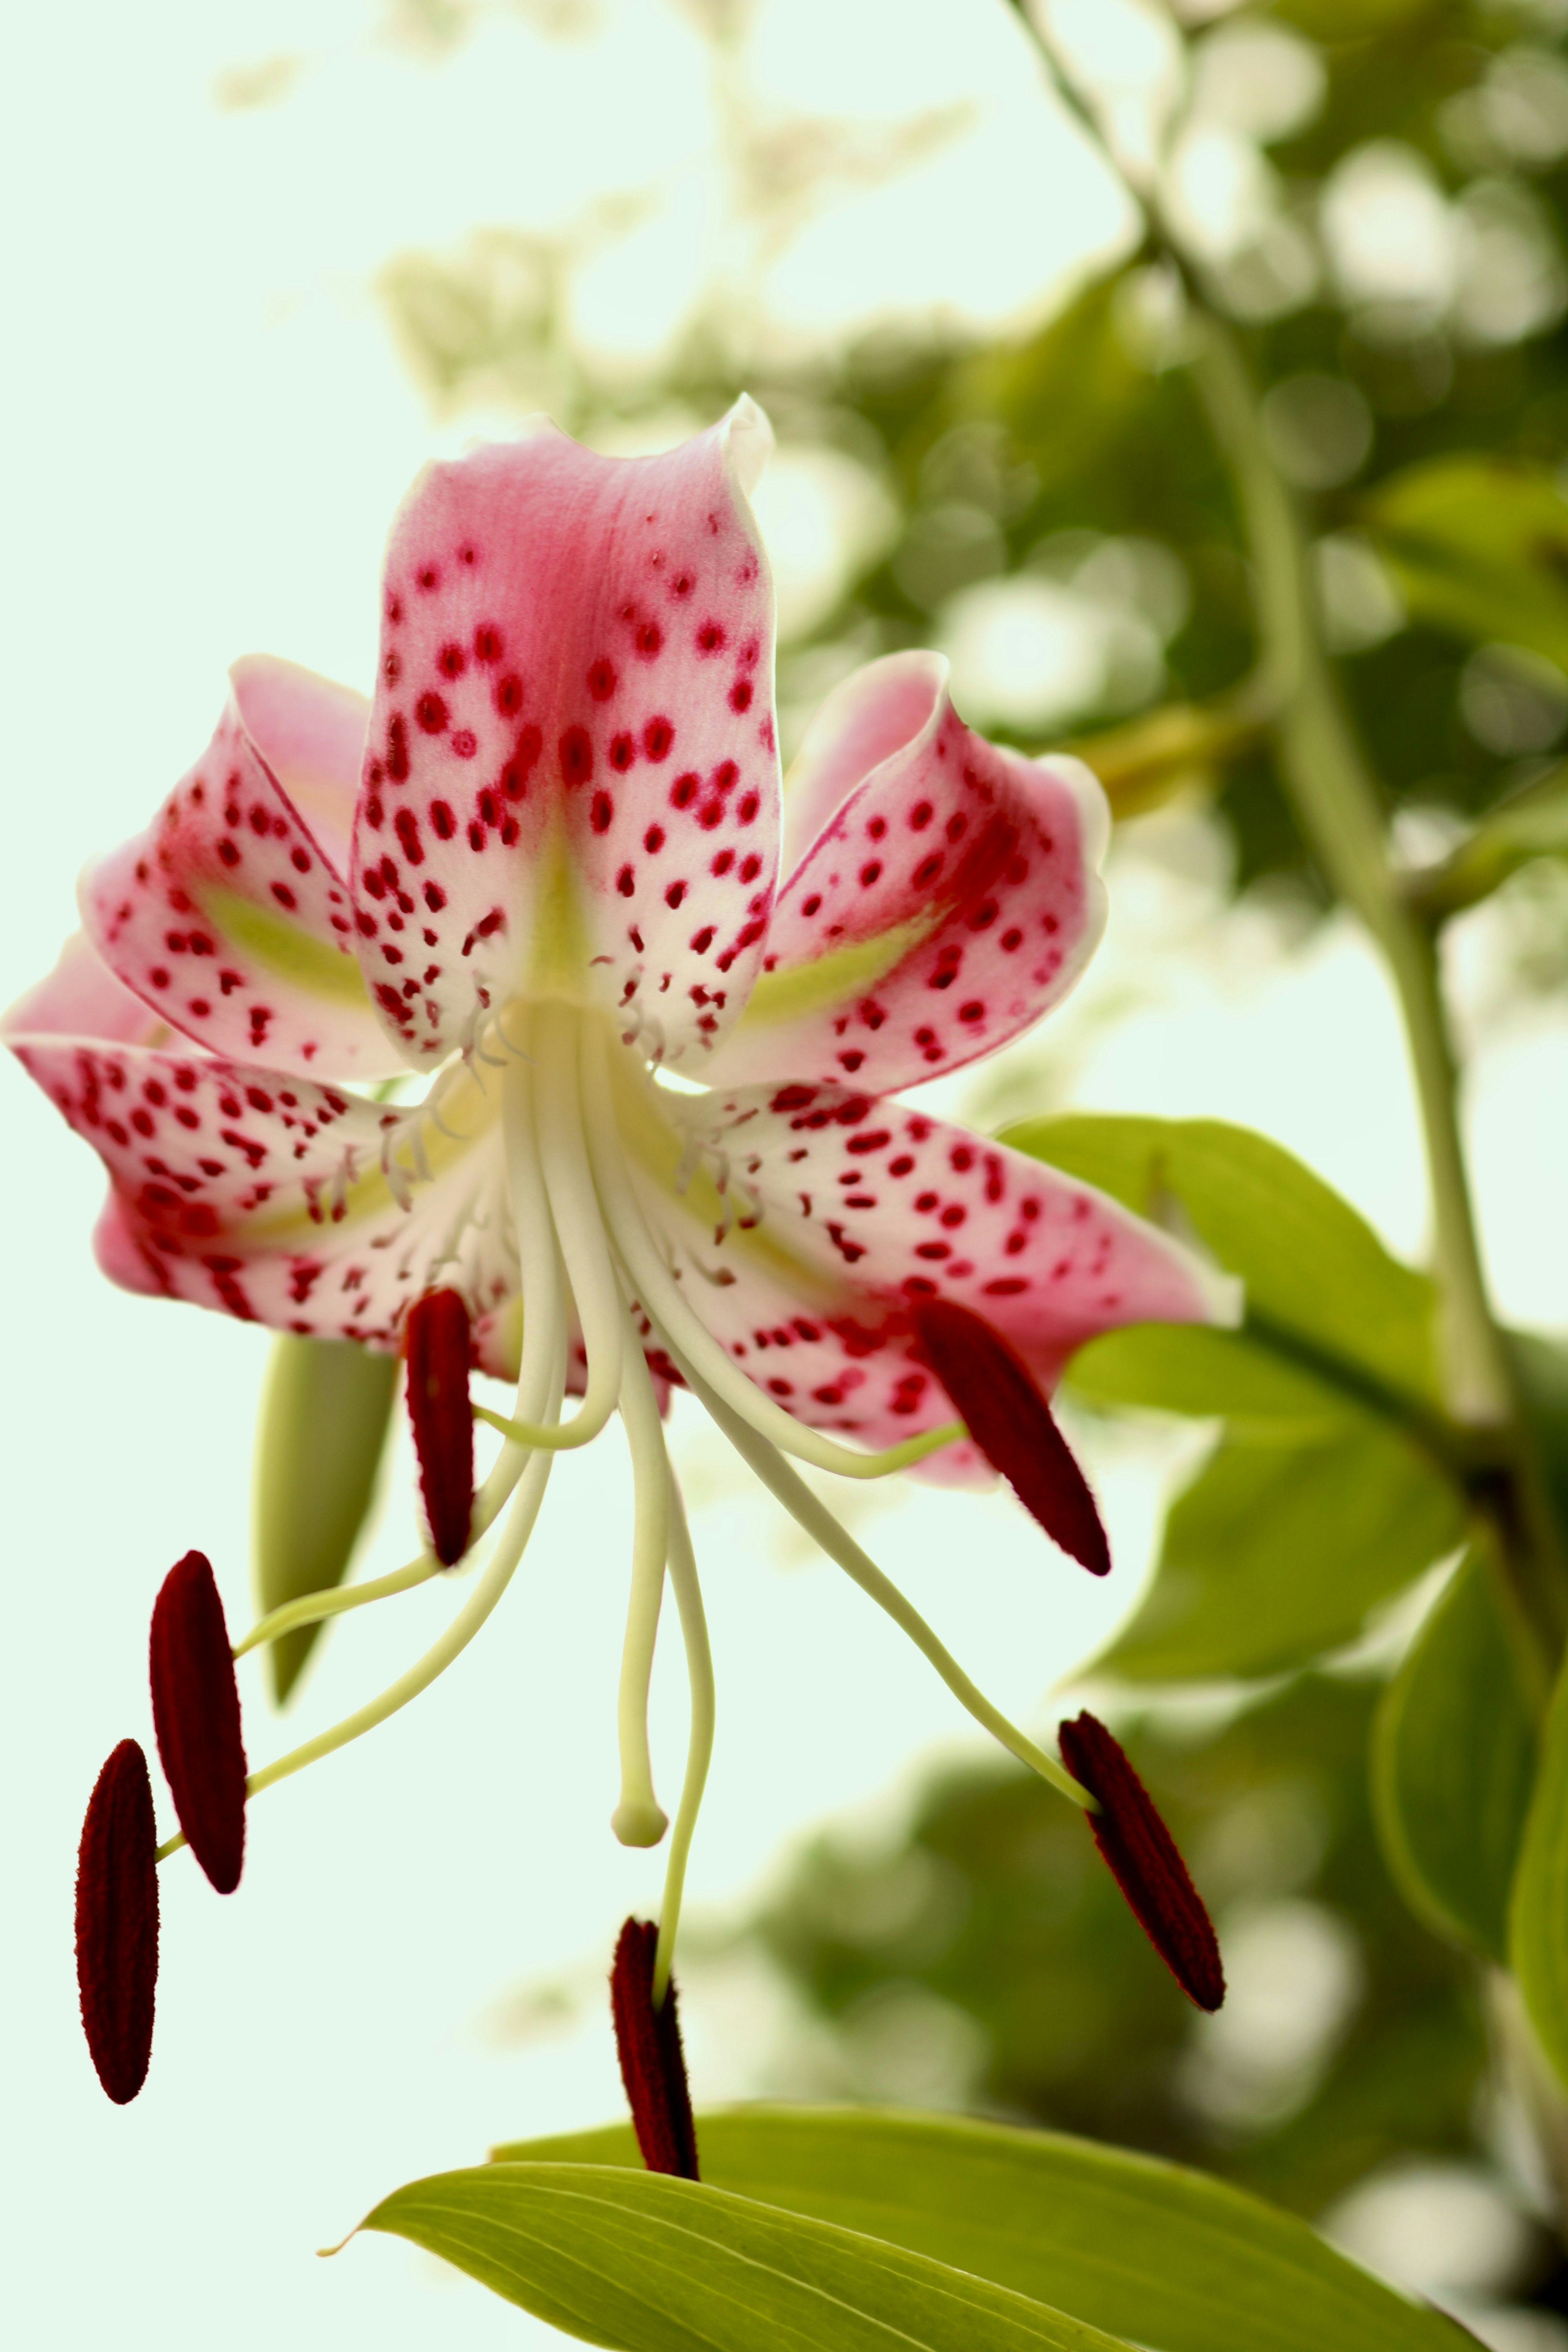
{"points": [[325, 1408], [1277, 1550], [648, 2264], [1532, 824], [1149, 2251], [1233, 1375], [1453, 1760], [1538, 1914], [1329, 1491], [1320, 1283], [1479, 545]]}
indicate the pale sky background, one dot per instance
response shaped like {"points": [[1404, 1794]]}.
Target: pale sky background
{"points": [[208, 432]]}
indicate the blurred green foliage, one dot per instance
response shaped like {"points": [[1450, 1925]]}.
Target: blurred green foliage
{"points": [[998, 1904]]}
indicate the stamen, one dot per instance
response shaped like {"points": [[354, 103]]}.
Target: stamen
{"points": [[310, 1607], [1013, 1425], [813, 1515], [437, 1338], [640, 1818], [653, 2064], [196, 1714], [569, 1184], [1144, 1860], [699, 1739], [480, 1602], [116, 1923], [660, 1298]]}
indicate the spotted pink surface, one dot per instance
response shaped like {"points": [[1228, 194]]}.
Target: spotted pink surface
{"points": [[568, 786], [576, 664]]}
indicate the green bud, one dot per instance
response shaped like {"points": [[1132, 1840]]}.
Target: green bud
{"points": [[325, 1406]]}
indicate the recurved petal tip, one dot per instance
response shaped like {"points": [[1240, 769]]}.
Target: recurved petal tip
{"points": [[196, 1714], [1143, 1857], [438, 1345], [116, 1923], [653, 2065], [996, 1396]]}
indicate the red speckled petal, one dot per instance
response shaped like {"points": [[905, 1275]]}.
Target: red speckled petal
{"points": [[572, 783], [310, 732], [225, 915], [263, 1196], [81, 997], [844, 1211], [874, 712], [947, 902]]}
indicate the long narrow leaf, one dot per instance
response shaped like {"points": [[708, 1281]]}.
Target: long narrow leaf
{"points": [[646, 2262], [1144, 2250]]}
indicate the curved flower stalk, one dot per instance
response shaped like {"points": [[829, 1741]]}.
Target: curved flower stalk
{"points": [[652, 1126]]}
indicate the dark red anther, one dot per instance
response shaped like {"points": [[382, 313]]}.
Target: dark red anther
{"points": [[196, 1714], [653, 2066], [997, 1397], [1143, 1857], [438, 1351], [117, 1922]]}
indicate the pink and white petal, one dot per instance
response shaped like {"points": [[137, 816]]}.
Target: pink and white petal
{"points": [[225, 915], [310, 731], [265, 1195], [951, 899], [81, 997], [573, 772], [874, 712], [844, 1210]]}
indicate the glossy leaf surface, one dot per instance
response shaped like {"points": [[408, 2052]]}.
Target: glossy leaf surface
{"points": [[650, 2263], [1276, 1553], [1168, 2257], [1453, 1761]]}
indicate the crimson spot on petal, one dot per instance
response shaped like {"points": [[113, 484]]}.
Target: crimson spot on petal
{"points": [[196, 1714], [116, 1923], [438, 1348], [653, 2065], [1008, 1418], [1144, 1860]]}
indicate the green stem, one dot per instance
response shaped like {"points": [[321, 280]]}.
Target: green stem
{"points": [[1340, 809]]}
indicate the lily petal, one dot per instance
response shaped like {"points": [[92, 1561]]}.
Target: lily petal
{"points": [[81, 997], [266, 1196], [949, 900], [227, 914], [809, 1223], [574, 774]]}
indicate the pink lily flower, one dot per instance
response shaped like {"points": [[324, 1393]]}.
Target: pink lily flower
{"points": [[654, 1022]]}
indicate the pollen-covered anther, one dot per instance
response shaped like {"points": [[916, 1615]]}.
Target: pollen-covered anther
{"points": [[196, 1714], [116, 1923], [438, 1345], [1144, 1860], [996, 1396], [653, 2065]]}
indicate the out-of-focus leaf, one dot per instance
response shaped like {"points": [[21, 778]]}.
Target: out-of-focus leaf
{"points": [[646, 2262], [1326, 1494], [1453, 1760], [1318, 1279], [1479, 545], [993, 1932], [1190, 1369], [1149, 760], [1277, 1552], [1541, 1371], [318, 1440], [1538, 1914], [1534, 824], [1167, 2256]]}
